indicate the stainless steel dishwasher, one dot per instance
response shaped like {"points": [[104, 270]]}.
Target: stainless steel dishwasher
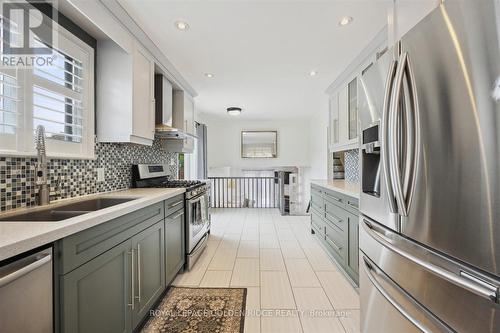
{"points": [[26, 294]]}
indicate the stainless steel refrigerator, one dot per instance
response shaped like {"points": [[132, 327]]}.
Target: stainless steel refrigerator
{"points": [[430, 179]]}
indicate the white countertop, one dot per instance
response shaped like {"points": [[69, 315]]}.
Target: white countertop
{"points": [[19, 237], [339, 185]]}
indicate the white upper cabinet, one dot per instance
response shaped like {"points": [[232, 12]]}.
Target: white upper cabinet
{"points": [[183, 115], [143, 95], [343, 97], [125, 94], [407, 13], [344, 118]]}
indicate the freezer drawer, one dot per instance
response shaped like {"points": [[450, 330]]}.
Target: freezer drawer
{"points": [[387, 308], [463, 298]]}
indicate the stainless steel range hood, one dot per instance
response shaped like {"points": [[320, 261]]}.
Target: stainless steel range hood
{"points": [[164, 131], [165, 127]]}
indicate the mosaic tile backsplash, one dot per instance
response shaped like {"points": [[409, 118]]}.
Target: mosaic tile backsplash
{"points": [[351, 165], [72, 178]]}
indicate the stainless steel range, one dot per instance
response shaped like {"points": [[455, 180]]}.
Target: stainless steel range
{"points": [[196, 204]]}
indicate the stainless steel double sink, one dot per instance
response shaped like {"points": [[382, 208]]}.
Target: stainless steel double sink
{"points": [[59, 212]]}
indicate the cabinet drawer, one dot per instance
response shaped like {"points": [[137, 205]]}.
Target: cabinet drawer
{"points": [[79, 248], [335, 215], [174, 204], [317, 202], [336, 241], [333, 197]]}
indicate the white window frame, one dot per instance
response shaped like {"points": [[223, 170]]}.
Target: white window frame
{"points": [[73, 47]]}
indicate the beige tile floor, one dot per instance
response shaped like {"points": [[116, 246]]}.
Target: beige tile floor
{"points": [[292, 284]]}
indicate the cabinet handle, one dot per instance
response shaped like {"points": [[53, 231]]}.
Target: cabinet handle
{"points": [[178, 215], [175, 204], [337, 248], [333, 218], [334, 198], [139, 273], [352, 204], [131, 304]]}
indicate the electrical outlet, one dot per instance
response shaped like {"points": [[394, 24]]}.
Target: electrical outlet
{"points": [[100, 175]]}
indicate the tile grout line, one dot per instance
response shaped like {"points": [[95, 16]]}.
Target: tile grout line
{"points": [[293, 294]]}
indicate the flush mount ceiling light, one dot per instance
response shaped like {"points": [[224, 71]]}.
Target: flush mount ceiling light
{"points": [[345, 20], [181, 25], [233, 111], [313, 73], [210, 75]]}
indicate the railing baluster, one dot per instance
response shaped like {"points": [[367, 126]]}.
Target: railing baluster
{"points": [[265, 192], [241, 192]]}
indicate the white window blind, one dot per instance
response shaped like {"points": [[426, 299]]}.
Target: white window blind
{"points": [[8, 104], [59, 97]]}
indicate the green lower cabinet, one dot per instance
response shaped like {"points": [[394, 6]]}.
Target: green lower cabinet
{"points": [[335, 223], [149, 268], [95, 296], [174, 236], [114, 291]]}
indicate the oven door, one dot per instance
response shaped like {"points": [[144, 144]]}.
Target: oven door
{"points": [[197, 220]]}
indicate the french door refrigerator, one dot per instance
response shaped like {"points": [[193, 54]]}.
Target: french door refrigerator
{"points": [[430, 179]]}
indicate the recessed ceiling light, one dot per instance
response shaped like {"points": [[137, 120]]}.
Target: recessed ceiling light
{"points": [[233, 111], [181, 25], [210, 75], [345, 20], [313, 73]]}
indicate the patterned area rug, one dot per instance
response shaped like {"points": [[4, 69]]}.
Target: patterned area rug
{"points": [[199, 310]]}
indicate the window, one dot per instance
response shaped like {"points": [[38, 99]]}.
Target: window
{"points": [[59, 97]]}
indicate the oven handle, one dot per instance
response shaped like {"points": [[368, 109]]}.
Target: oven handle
{"points": [[198, 198]]}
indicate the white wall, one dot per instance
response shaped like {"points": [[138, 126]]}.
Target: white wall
{"points": [[224, 148], [318, 147], [224, 140]]}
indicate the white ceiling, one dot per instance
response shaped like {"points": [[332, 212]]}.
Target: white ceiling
{"points": [[260, 51]]}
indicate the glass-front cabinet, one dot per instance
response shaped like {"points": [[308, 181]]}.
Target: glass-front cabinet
{"points": [[344, 117]]}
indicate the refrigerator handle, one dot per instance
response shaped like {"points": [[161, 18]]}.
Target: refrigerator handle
{"points": [[394, 149], [482, 288], [371, 269], [413, 142], [385, 136]]}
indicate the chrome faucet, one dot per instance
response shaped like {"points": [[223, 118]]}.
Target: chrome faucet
{"points": [[41, 167]]}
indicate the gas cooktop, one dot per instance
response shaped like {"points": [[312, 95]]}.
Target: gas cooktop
{"points": [[181, 183]]}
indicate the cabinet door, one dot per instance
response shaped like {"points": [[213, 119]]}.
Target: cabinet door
{"points": [[343, 101], [143, 98], [174, 241], [334, 120], [95, 297], [188, 114], [149, 281], [352, 111], [353, 258]]}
